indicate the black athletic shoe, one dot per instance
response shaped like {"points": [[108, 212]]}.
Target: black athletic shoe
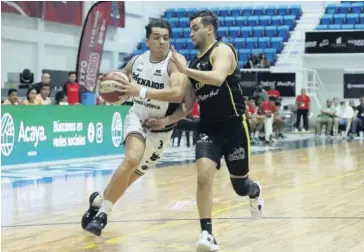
{"points": [[91, 211], [97, 224]]}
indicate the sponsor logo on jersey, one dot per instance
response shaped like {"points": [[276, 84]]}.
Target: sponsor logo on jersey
{"points": [[147, 83], [158, 72], [146, 104]]}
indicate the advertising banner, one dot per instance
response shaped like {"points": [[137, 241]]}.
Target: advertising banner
{"points": [[353, 85], [31, 134], [334, 42]]}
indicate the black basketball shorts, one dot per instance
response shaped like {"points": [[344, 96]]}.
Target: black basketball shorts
{"points": [[232, 142]]}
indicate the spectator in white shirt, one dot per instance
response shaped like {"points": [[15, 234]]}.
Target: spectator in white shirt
{"points": [[347, 115]]}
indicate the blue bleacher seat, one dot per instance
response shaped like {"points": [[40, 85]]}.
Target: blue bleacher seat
{"points": [[258, 10], [246, 31], [215, 10], [344, 8], [224, 11], [361, 18], [180, 43], [359, 27], [190, 45], [257, 51], [352, 18], [251, 43], [339, 18], [191, 11], [321, 27], [186, 32], [239, 43], [177, 32], [258, 31], [235, 11], [169, 13], [227, 40], [263, 42], [276, 43], [270, 10], [247, 11], [357, 8], [234, 31], [290, 21], [334, 27], [264, 20], [244, 54], [221, 21], [331, 8], [174, 22], [229, 21], [143, 46], [184, 22], [270, 31], [295, 10], [347, 27], [181, 12], [241, 63], [327, 19], [270, 53], [277, 20], [282, 10], [283, 32], [253, 20], [193, 53], [222, 31], [241, 21]]}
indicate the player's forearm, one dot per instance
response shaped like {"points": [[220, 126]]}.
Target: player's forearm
{"points": [[212, 78], [168, 95], [179, 114]]}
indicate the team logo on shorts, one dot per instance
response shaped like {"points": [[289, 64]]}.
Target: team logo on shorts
{"points": [[237, 154]]}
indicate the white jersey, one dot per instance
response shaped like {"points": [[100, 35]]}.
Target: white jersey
{"points": [[151, 75]]}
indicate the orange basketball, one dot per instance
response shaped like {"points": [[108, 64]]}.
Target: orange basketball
{"points": [[108, 89]]}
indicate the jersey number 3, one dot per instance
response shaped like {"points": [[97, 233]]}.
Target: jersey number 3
{"points": [[160, 145]]}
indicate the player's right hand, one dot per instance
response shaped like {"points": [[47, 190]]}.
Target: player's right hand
{"points": [[154, 124]]}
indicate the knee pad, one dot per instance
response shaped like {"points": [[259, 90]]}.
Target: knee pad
{"points": [[242, 186]]}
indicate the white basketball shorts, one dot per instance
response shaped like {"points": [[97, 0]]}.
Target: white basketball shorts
{"points": [[155, 142]]}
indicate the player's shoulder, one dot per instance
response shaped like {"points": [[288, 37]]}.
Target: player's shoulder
{"points": [[223, 48]]}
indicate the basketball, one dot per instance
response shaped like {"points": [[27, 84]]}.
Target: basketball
{"points": [[108, 90]]}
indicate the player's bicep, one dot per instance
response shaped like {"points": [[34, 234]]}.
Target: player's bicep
{"points": [[223, 60]]}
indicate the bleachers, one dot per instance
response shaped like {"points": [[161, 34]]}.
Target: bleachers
{"points": [[252, 30], [343, 16]]}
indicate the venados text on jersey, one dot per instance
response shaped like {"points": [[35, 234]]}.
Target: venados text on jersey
{"points": [[206, 96], [147, 83]]}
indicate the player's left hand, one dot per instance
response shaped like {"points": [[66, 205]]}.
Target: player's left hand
{"points": [[154, 124], [129, 88], [178, 62]]}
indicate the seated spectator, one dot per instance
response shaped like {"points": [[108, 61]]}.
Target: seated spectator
{"points": [[358, 121], [273, 92], [255, 120], [72, 89], [278, 121], [268, 109], [31, 97], [13, 98], [43, 96], [326, 118], [346, 117], [61, 98], [46, 80]]}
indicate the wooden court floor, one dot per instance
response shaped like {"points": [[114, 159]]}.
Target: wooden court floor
{"points": [[314, 201]]}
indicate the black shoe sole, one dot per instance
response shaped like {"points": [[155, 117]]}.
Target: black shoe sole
{"points": [[85, 221], [93, 228]]}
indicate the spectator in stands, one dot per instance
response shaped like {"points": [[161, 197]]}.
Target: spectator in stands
{"points": [[346, 118], [338, 114], [46, 79], [326, 118], [260, 95], [303, 106], [268, 109], [273, 92], [254, 119], [61, 98], [278, 121], [43, 96], [358, 121], [352, 104], [72, 89], [13, 98], [262, 61], [31, 98]]}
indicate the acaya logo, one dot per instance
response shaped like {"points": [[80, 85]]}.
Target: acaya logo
{"points": [[31, 134]]}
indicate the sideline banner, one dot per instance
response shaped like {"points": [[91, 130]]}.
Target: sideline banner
{"points": [[32, 134], [353, 85]]}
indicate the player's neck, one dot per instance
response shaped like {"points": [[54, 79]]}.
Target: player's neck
{"points": [[157, 58], [206, 45]]}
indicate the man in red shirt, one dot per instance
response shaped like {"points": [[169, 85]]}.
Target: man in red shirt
{"points": [[273, 92], [303, 106], [268, 110], [72, 89]]}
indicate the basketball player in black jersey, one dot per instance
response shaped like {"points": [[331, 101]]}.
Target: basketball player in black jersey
{"points": [[214, 74]]}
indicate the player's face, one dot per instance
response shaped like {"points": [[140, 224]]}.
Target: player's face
{"points": [[198, 31], [158, 42]]}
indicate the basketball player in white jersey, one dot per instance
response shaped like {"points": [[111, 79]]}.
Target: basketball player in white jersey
{"points": [[151, 71]]}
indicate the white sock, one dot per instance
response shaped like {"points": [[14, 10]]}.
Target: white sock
{"points": [[106, 207], [98, 201]]}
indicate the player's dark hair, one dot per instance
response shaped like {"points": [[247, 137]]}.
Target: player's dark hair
{"points": [[207, 18], [159, 23]]}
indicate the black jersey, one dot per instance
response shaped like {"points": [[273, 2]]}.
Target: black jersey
{"points": [[218, 104]]}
